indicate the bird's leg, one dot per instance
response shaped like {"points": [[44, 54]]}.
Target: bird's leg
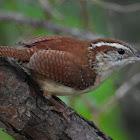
{"points": [[59, 107]]}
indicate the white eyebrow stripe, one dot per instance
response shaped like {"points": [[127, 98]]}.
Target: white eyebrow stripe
{"points": [[117, 45]]}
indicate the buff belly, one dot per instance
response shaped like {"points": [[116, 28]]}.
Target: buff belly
{"points": [[52, 87]]}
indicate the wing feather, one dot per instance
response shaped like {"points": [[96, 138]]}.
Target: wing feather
{"points": [[37, 39], [60, 66]]}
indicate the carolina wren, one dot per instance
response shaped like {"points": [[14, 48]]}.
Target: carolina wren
{"points": [[63, 65]]}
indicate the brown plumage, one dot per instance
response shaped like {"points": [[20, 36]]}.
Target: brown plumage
{"points": [[63, 59], [57, 58], [24, 54]]}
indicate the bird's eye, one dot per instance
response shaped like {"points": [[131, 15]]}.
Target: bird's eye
{"points": [[121, 51]]}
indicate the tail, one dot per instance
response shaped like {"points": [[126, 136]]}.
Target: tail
{"points": [[21, 54]]}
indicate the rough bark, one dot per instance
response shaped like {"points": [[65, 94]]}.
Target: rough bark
{"points": [[25, 113]]}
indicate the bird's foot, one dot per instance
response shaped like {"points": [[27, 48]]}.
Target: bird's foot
{"points": [[60, 108]]}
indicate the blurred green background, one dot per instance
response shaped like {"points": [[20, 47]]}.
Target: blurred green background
{"points": [[101, 19]]}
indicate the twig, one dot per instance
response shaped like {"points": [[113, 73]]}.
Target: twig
{"points": [[48, 10], [121, 92], [18, 18], [92, 108], [117, 7], [84, 13]]}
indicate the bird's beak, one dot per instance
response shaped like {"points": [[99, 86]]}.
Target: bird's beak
{"points": [[135, 58]]}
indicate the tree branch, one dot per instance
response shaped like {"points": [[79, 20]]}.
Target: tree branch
{"points": [[18, 18], [25, 113], [117, 7]]}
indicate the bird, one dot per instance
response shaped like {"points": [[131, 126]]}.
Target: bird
{"points": [[63, 65]]}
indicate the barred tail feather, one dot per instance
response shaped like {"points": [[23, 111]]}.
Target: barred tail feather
{"points": [[21, 54]]}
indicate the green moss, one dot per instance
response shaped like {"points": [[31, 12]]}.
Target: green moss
{"points": [[4, 135]]}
